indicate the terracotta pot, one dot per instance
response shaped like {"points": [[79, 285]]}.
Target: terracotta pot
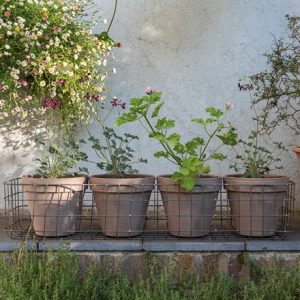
{"points": [[297, 151], [189, 213], [122, 203], [54, 204], [256, 203]]}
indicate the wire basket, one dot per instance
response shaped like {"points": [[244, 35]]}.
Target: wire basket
{"points": [[142, 212]]}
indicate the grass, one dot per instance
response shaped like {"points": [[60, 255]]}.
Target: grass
{"points": [[56, 275]]}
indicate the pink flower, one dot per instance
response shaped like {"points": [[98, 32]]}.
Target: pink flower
{"points": [[56, 29], [149, 90], [24, 82], [95, 98], [7, 14], [36, 72], [62, 82], [52, 103]]}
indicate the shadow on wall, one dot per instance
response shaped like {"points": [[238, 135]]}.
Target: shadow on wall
{"points": [[16, 149]]}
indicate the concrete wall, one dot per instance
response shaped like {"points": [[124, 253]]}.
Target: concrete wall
{"points": [[195, 51]]}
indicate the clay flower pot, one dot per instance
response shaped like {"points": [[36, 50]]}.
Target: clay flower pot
{"points": [[297, 152], [122, 203], [189, 213], [256, 203], [54, 204]]}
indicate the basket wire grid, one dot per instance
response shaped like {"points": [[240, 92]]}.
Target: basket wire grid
{"points": [[38, 212]]}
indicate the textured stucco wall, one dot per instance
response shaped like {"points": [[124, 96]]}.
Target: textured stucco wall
{"points": [[195, 51]]}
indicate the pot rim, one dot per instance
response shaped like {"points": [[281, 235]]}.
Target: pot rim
{"points": [[200, 177], [36, 176], [296, 149], [108, 176], [266, 176]]}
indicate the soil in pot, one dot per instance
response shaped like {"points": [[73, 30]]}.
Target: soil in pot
{"points": [[256, 203], [122, 203], [54, 204], [189, 213]]}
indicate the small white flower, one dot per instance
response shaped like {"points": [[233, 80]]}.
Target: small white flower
{"points": [[52, 70], [43, 83], [7, 47], [228, 105]]}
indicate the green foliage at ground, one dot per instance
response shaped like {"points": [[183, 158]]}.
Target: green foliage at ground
{"points": [[56, 275]]}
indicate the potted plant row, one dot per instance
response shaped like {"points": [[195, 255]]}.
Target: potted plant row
{"points": [[189, 195]]}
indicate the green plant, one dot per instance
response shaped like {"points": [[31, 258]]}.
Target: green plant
{"points": [[52, 67], [192, 156], [256, 160], [58, 275], [115, 154], [253, 159], [60, 159], [277, 89]]}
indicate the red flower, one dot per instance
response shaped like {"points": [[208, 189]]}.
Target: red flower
{"points": [[114, 102]]}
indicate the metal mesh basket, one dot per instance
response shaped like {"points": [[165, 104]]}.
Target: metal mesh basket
{"points": [[143, 212]]}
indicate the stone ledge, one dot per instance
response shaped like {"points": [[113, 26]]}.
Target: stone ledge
{"points": [[272, 246], [192, 246], [103, 245], [155, 246], [11, 246]]}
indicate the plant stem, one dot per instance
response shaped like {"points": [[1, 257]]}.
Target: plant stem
{"points": [[113, 16]]}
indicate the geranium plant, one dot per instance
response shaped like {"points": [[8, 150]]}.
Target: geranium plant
{"points": [[51, 65], [254, 159], [251, 156], [191, 156], [115, 155]]}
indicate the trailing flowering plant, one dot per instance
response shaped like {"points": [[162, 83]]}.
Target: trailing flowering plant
{"points": [[50, 62], [192, 156]]}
